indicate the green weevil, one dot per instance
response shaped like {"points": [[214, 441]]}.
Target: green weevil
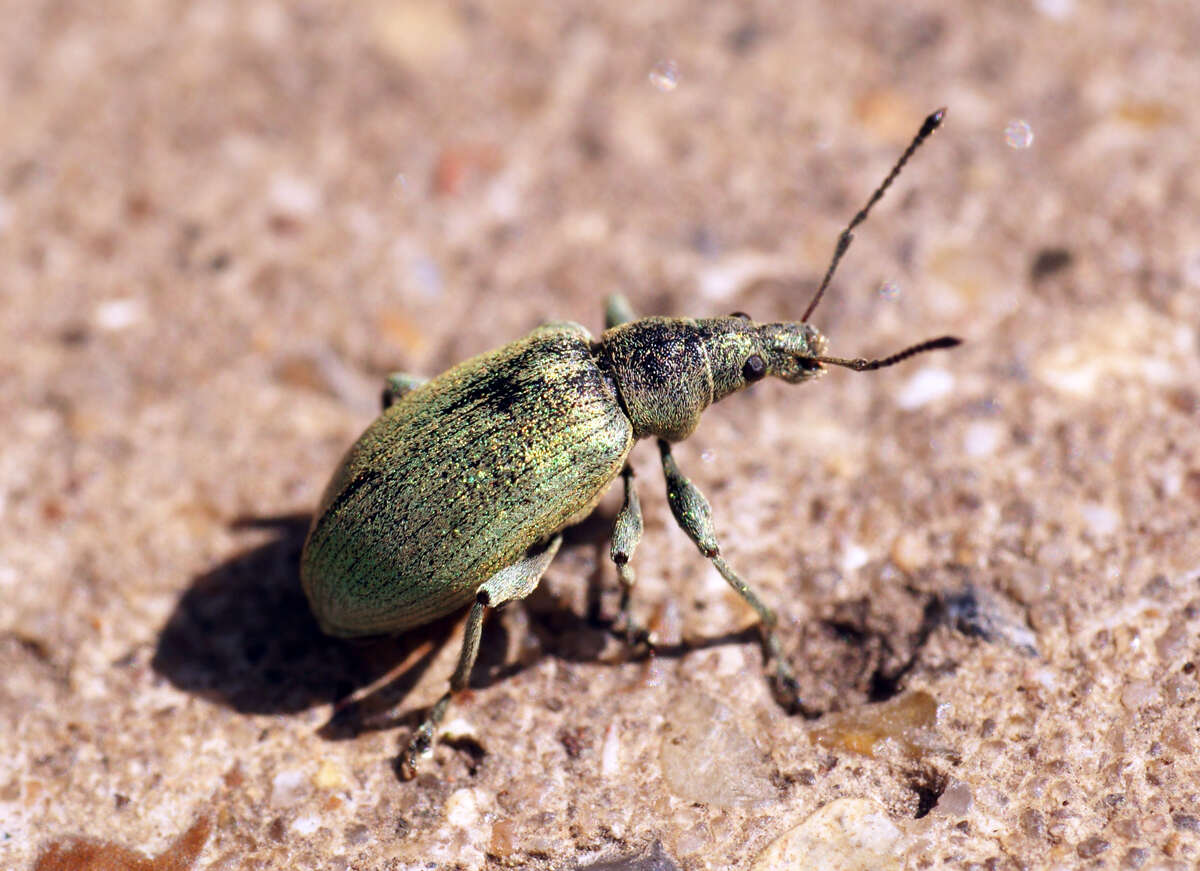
{"points": [[458, 493]]}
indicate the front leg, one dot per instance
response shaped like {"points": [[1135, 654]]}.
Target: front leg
{"points": [[694, 516]]}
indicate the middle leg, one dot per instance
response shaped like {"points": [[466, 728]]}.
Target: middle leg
{"points": [[627, 532]]}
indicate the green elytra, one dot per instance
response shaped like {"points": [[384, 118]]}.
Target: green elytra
{"points": [[458, 492]]}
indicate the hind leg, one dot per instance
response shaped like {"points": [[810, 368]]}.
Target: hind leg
{"points": [[617, 310], [514, 582], [396, 385]]}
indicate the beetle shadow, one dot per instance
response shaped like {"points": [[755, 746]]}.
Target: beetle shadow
{"points": [[559, 631], [242, 635]]}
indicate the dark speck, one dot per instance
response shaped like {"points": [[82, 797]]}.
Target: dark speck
{"points": [[1049, 261], [1136, 857], [1092, 847], [74, 335], [744, 38], [1186, 822]]}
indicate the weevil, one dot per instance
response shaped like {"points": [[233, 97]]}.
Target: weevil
{"points": [[458, 493]]}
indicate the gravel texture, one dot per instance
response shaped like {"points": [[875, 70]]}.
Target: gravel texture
{"points": [[221, 224]]}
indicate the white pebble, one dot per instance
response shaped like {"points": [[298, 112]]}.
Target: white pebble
{"points": [[854, 557], [288, 787], [849, 834], [610, 753], [294, 196], [1059, 10], [117, 314], [459, 728], [1100, 520], [306, 825], [982, 438], [462, 808], [925, 386]]}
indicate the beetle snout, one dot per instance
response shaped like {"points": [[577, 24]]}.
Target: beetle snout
{"points": [[802, 368], [792, 349]]}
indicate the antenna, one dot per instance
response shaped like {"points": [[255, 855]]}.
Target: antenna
{"points": [[862, 365], [847, 236]]}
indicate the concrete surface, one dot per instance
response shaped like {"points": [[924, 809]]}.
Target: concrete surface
{"points": [[222, 222]]}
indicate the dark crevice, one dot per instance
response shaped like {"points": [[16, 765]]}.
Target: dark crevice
{"points": [[928, 786]]}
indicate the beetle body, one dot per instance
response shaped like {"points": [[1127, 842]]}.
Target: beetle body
{"points": [[462, 475], [459, 478]]}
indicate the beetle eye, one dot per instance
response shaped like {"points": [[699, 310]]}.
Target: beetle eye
{"points": [[741, 315], [754, 368]]}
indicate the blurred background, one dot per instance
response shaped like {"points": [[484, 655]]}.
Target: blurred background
{"points": [[221, 223]]}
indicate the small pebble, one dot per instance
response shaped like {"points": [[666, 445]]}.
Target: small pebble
{"points": [[926, 386], [956, 800], [462, 808], [610, 751], [288, 787], [1139, 694], [849, 834], [118, 314], [705, 757]]}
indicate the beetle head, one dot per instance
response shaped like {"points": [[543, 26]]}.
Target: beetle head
{"points": [[791, 350], [668, 370], [739, 352]]}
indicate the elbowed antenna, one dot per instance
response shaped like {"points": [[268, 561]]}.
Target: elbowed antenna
{"points": [[862, 365], [847, 236]]}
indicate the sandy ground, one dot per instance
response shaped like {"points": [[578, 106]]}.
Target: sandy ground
{"points": [[221, 223]]}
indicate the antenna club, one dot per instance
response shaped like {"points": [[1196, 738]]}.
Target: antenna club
{"points": [[933, 122], [864, 365], [943, 342]]}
